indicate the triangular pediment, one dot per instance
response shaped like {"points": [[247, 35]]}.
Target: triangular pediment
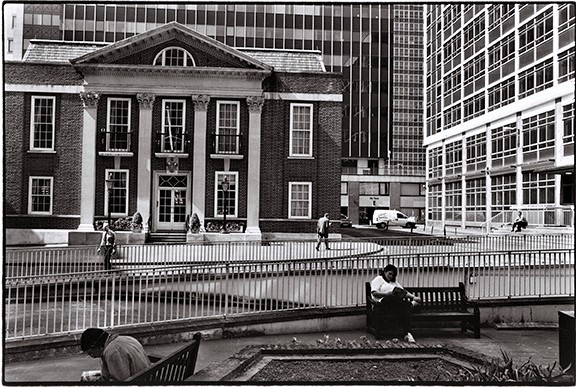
{"points": [[142, 49]]}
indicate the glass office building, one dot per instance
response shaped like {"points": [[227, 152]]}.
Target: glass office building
{"points": [[377, 47], [499, 113]]}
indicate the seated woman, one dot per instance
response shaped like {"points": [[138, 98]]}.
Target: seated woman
{"points": [[391, 296]]}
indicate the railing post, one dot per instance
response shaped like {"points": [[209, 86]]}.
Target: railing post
{"points": [[417, 269], [226, 281], [509, 274], [325, 282]]}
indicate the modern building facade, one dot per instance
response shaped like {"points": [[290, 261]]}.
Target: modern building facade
{"points": [[499, 113], [169, 123], [376, 47]]}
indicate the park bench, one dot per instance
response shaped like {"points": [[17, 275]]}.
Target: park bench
{"points": [[175, 367], [438, 304]]}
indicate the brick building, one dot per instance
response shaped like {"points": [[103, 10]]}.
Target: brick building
{"points": [[155, 123]]}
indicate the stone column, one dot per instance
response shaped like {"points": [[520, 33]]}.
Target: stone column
{"points": [[88, 178], [254, 140], [199, 162], [143, 201]]}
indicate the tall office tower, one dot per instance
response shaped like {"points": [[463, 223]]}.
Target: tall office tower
{"points": [[377, 48], [499, 113]]}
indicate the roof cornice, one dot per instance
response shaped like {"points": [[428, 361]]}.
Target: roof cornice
{"points": [[163, 71]]}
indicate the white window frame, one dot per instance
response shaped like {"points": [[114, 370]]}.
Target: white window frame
{"points": [[30, 180], [162, 55], [127, 188], [32, 122], [219, 147], [291, 186], [165, 127], [232, 210], [292, 130], [108, 124]]}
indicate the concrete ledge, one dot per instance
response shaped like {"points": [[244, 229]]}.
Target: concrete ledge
{"points": [[311, 320], [94, 237], [266, 323], [35, 237]]}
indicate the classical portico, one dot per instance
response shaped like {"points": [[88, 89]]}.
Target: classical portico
{"points": [[108, 74]]}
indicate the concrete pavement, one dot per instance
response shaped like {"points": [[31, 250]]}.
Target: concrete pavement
{"points": [[539, 345]]}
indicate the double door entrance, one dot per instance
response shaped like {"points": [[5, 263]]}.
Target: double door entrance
{"points": [[172, 201]]}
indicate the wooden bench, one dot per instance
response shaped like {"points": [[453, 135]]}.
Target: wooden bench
{"points": [[438, 304], [175, 367]]}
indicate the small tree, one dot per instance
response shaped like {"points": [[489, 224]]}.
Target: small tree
{"points": [[137, 221], [193, 224]]}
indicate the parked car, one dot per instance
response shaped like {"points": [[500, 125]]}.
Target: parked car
{"points": [[392, 218], [344, 221]]}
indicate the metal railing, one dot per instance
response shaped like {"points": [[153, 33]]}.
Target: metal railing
{"points": [[544, 216], [46, 261], [56, 304], [115, 140], [230, 144]]}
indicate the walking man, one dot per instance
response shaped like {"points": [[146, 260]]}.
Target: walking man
{"points": [[322, 228]]}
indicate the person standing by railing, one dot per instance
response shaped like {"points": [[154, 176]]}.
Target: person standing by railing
{"points": [[108, 241], [322, 228]]}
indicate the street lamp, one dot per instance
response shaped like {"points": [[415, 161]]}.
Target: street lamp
{"points": [[225, 186], [109, 186]]}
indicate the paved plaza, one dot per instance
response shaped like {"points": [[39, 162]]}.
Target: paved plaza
{"points": [[539, 345]]}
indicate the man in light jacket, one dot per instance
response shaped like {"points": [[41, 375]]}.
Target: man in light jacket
{"points": [[322, 228]]}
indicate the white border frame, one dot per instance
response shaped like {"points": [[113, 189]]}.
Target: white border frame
{"points": [[236, 185], [311, 106], [218, 104], [290, 185], [163, 124], [108, 102], [107, 171], [163, 54], [49, 212], [32, 105]]}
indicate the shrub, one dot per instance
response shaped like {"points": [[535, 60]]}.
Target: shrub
{"points": [[494, 371]]}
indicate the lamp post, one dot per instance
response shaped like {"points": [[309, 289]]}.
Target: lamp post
{"points": [[225, 186], [109, 186]]}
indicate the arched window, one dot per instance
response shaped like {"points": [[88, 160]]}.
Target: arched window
{"points": [[174, 56]]}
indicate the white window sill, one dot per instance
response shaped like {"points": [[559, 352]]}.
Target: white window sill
{"points": [[301, 157], [226, 156], [116, 154], [171, 154], [48, 151]]}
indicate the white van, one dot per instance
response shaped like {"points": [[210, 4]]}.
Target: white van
{"points": [[392, 218]]}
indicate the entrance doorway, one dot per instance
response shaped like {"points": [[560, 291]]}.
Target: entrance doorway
{"points": [[172, 203]]}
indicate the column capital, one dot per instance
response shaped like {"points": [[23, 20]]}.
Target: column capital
{"points": [[146, 100], [90, 98], [200, 102], [255, 104]]}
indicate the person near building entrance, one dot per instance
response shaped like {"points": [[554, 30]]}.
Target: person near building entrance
{"points": [[121, 356], [392, 297], [322, 228], [520, 222], [109, 243]]}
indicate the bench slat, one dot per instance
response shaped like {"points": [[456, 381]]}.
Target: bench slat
{"points": [[175, 367]]}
